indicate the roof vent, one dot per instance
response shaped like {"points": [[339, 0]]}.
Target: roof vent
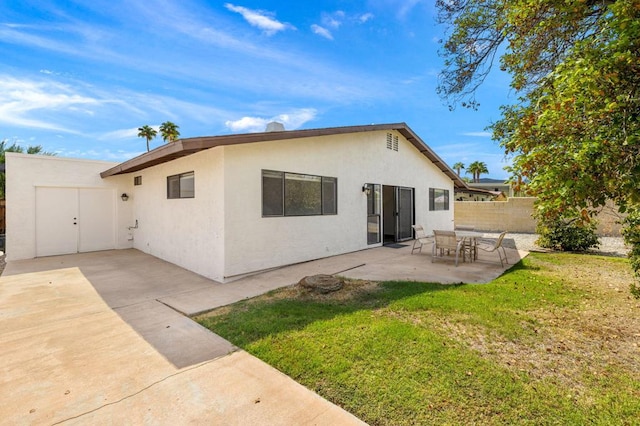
{"points": [[274, 126]]}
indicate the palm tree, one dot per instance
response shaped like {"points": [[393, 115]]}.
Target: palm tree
{"points": [[457, 166], [482, 169], [148, 133], [476, 169], [169, 131]]}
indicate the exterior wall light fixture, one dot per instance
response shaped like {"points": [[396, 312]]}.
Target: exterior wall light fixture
{"points": [[124, 196]]}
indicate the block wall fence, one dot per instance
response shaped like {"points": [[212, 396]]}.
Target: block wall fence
{"points": [[515, 215]]}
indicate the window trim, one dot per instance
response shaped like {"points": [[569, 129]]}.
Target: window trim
{"points": [[179, 177], [283, 174], [432, 199]]}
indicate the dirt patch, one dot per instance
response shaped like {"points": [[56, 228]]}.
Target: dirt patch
{"points": [[581, 343], [352, 289]]}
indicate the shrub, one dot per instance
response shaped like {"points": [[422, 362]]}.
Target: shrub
{"points": [[567, 234], [631, 233]]}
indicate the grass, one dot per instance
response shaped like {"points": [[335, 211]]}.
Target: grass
{"points": [[552, 341]]}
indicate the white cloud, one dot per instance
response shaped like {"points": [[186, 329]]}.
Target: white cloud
{"points": [[104, 154], [406, 6], [259, 19], [20, 99], [478, 134], [321, 31], [18, 34], [123, 133], [401, 8], [291, 121], [283, 71], [247, 124], [333, 20], [81, 109], [365, 17]]}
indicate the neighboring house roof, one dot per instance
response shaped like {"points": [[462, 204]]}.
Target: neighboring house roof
{"points": [[188, 146], [479, 191], [490, 180]]}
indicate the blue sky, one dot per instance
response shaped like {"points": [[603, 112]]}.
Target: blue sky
{"points": [[79, 77]]}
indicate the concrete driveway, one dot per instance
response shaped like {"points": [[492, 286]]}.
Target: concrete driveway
{"points": [[89, 340]]}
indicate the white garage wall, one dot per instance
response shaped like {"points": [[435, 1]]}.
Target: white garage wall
{"points": [[254, 243], [26, 172], [188, 232]]}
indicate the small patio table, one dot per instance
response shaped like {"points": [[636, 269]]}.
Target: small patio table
{"points": [[470, 238]]}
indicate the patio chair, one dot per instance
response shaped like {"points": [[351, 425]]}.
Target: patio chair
{"points": [[470, 243], [421, 238], [495, 245], [446, 241]]}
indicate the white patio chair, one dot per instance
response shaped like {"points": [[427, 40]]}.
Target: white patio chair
{"points": [[446, 240], [491, 246], [421, 238]]}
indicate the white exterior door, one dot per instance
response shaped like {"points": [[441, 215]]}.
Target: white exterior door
{"points": [[97, 219], [56, 221], [72, 220]]}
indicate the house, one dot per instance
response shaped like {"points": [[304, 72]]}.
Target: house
{"points": [[497, 186], [225, 206], [478, 194]]}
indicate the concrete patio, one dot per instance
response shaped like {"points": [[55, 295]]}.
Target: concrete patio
{"points": [[101, 337], [127, 277]]}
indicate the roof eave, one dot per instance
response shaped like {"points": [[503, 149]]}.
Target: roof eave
{"points": [[188, 146]]}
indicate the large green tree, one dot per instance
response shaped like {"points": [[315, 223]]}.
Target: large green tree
{"points": [[575, 130]]}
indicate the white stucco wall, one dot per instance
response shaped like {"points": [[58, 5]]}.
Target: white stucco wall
{"points": [[188, 232], [26, 172], [255, 243], [220, 233]]}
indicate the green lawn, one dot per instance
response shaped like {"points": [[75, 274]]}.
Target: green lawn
{"points": [[553, 341]]}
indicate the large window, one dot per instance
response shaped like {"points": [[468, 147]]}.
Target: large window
{"points": [[295, 194], [181, 186], [438, 199]]}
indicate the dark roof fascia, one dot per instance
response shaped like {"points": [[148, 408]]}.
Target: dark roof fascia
{"points": [[490, 180], [188, 146], [470, 190]]}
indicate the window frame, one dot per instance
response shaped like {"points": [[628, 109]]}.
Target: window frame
{"points": [[435, 193], [179, 177], [325, 201]]}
